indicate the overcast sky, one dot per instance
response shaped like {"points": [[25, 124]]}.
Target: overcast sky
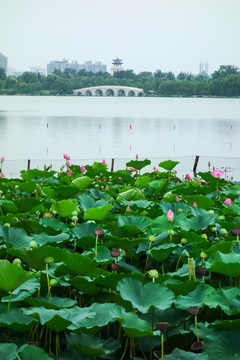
{"points": [[171, 35]]}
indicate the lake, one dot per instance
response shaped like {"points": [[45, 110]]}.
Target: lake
{"points": [[43, 128]]}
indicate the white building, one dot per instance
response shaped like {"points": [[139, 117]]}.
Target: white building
{"points": [[3, 62]]}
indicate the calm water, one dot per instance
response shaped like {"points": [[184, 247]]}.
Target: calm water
{"points": [[99, 127]]}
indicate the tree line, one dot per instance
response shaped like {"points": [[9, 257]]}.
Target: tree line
{"points": [[223, 82]]}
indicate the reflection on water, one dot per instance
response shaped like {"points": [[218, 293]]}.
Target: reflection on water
{"points": [[118, 127]]}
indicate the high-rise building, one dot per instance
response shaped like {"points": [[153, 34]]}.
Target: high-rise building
{"points": [[88, 66], [3, 62], [57, 65], [203, 68]]}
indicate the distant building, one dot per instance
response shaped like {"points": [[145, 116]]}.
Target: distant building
{"points": [[37, 69], [3, 62], [203, 68], [116, 66], [64, 64]]}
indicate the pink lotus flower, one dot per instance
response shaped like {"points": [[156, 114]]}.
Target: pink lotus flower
{"points": [[2, 175], [170, 215], [136, 156], [199, 182], [128, 208], [119, 177], [69, 173], [177, 198], [217, 173], [209, 164], [107, 187], [228, 202], [132, 168], [187, 176], [104, 162], [69, 163], [83, 169], [194, 204], [66, 156], [2, 159]]}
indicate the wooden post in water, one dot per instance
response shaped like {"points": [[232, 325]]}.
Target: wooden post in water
{"points": [[195, 165], [28, 165], [112, 165]]}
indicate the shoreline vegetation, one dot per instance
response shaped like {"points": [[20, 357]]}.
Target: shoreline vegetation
{"points": [[97, 264], [224, 82]]}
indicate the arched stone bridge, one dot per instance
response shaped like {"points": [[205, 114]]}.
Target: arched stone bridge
{"points": [[110, 90]]}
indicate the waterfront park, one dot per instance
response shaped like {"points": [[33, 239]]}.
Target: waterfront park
{"points": [[126, 264]]}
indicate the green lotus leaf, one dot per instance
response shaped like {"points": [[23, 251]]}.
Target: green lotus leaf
{"points": [[79, 264], [179, 287], [103, 255], [17, 321], [51, 302], [97, 213], [137, 204], [122, 243], [231, 325], [133, 224], [8, 206], [8, 351], [222, 345], [12, 276], [179, 354], [65, 192], [33, 173], [36, 258], [131, 194], [138, 164], [227, 264], [143, 180], [30, 352], [27, 289], [82, 182], [54, 223], [165, 206], [85, 285], [45, 239], [169, 197], [168, 164], [135, 327], [26, 204], [144, 297], [202, 201], [161, 253], [64, 208], [161, 223], [222, 298], [15, 237], [157, 185], [194, 298]]}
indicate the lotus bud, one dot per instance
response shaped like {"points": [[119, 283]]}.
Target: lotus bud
{"points": [[177, 198], [53, 282], [17, 261], [152, 238], [33, 245], [221, 217], [191, 269], [211, 212], [128, 208], [170, 215], [49, 260], [107, 188]]}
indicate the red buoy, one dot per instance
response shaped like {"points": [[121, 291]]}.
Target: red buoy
{"points": [[130, 127], [47, 125]]}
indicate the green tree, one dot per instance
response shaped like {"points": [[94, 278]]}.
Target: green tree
{"points": [[2, 73], [225, 70], [28, 77]]}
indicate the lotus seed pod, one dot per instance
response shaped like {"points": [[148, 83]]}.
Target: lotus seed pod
{"points": [[49, 260], [54, 212], [216, 238], [193, 310], [33, 245], [115, 253], [223, 231], [180, 211], [114, 266], [211, 212], [72, 224], [214, 229], [17, 261], [162, 326], [184, 241], [53, 282], [7, 224], [99, 233], [74, 213], [16, 187], [1, 192], [221, 217], [152, 238], [48, 214], [153, 274], [204, 236], [74, 218], [96, 186], [238, 193], [14, 221]]}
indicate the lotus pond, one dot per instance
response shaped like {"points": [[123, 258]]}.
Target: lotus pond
{"points": [[119, 265]]}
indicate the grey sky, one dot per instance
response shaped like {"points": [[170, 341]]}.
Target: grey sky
{"points": [[171, 35]]}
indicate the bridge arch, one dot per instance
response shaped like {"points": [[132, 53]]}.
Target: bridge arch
{"points": [[131, 93], [98, 92], [79, 93], [109, 92], [88, 93], [121, 92]]}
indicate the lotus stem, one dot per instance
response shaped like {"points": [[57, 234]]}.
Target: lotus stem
{"points": [[125, 350], [195, 321], [17, 356], [170, 235], [96, 243], [48, 283], [162, 345], [145, 268], [9, 302]]}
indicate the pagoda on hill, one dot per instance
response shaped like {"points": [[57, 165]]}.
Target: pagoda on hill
{"points": [[116, 66]]}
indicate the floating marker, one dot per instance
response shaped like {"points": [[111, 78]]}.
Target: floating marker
{"points": [[174, 127], [130, 127], [231, 127], [100, 126], [47, 125]]}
